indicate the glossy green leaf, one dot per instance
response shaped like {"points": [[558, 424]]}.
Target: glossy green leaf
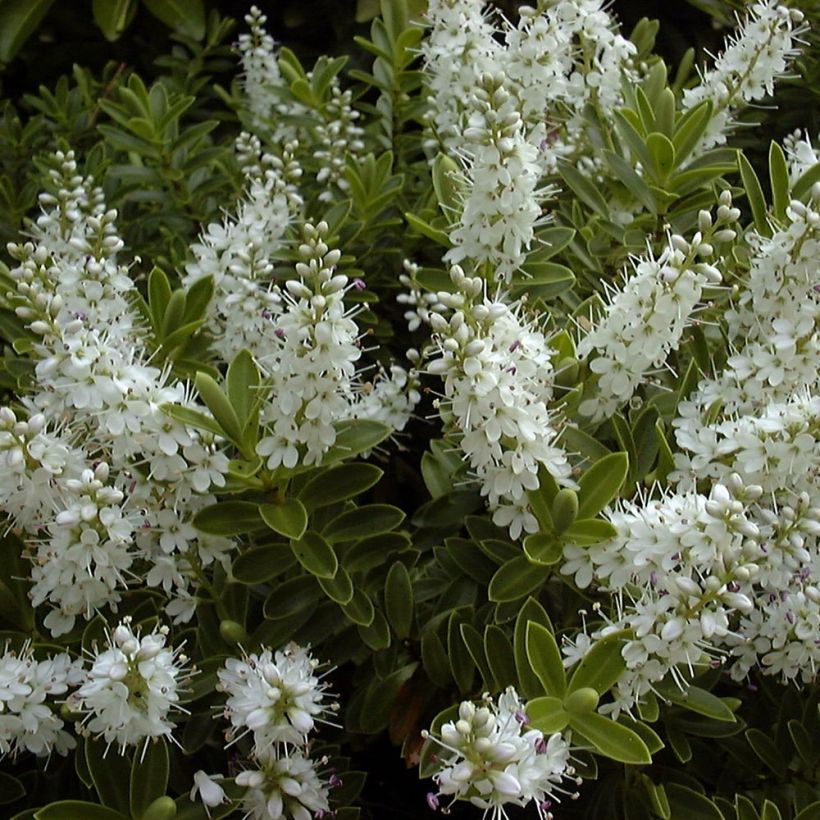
{"points": [[113, 16], [515, 579], [18, 21], [163, 808], [697, 700], [229, 518], [315, 554], [766, 749], [217, 402], [769, 811], [369, 520], [434, 659], [193, 418], [11, 789], [590, 531], [338, 484], [663, 154], [810, 812], [690, 128], [111, 774], [545, 659], [602, 665], [373, 551], [779, 178], [461, 662], [359, 609], [149, 776], [339, 588], [543, 550], [426, 229], [446, 173], [754, 195], [77, 810], [288, 518], [500, 655], [532, 611], [242, 381], [398, 599], [688, 804], [260, 564], [547, 714], [600, 483], [292, 597], [611, 739], [354, 437], [186, 17]]}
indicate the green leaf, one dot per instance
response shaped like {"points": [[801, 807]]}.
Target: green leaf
{"points": [[698, 700], [371, 552], [586, 191], [242, 382], [315, 555], [369, 520], [547, 714], [545, 659], [611, 739], [163, 808], [543, 279], [149, 776], [602, 664], [11, 789], [427, 230], [398, 599], [186, 17], [590, 531], [769, 811], [174, 311], [690, 128], [445, 172], [217, 402], [291, 598], [193, 418], [529, 682], [113, 16], [359, 609], [663, 155], [806, 181], [288, 518], [515, 579], [18, 21], [543, 550], [754, 194], [475, 646], [601, 483], [229, 518], [338, 484], [461, 662], [766, 749], [377, 635], [77, 810], [687, 804], [159, 294], [779, 178], [111, 774], [564, 509], [500, 655], [339, 588], [354, 437], [260, 564], [810, 812]]}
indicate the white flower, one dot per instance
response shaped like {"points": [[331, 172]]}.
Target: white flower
{"points": [[286, 788], [276, 696], [132, 687], [28, 721], [491, 759], [210, 792]]}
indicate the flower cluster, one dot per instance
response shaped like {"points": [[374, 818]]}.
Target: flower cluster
{"points": [[497, 373], [759, 53], [276, 698], [490, 757], [132, 687], [70, 475], [645, 320], [28, 691]]}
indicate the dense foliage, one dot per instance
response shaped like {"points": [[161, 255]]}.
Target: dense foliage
{"points": [[450, 409]]}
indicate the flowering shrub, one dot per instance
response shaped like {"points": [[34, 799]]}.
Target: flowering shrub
{"points": [[472, 400]]}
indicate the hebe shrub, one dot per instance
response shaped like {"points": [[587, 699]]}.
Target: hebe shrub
{"points": [[470, 401]]}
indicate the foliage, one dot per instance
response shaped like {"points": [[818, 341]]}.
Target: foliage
{"points": [[463, 393]]}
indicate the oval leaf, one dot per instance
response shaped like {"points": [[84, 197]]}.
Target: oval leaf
{"points": [[600, 484], [545, 659], [315, 554], [611, 739], [339, 484], [288, 518]]}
